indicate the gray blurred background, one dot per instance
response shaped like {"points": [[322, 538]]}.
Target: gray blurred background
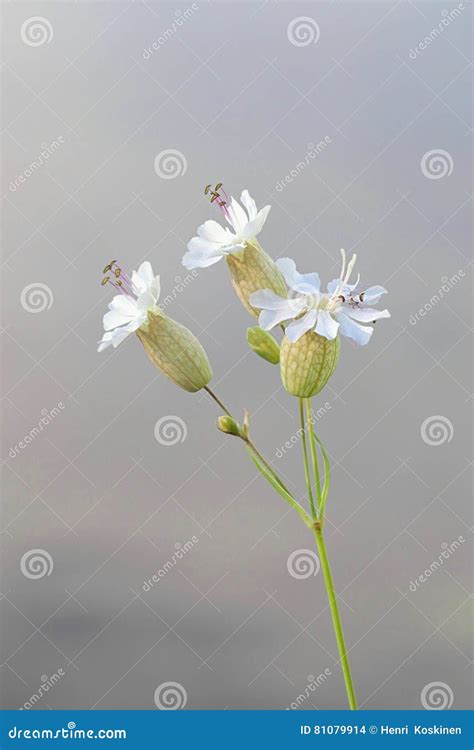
{"points": [[241, 90]]}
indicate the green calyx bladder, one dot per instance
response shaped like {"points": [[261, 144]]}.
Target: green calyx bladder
{"points": [[175, 351], [307, 364], [252, 269]]}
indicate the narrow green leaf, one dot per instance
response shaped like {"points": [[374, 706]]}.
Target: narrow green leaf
{"points": [[281, 491]]}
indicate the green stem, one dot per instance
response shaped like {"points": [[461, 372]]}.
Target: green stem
{"points": [[248, 441], [336, 619], [305, 460], [314, 455]]}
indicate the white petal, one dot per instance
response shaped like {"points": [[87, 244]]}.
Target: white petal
{"points": [[299, 327], [119, 335], [145, 273], [267, 300], [213, 232], [196, 258], [365, 314], [105, 341], [237, 217], [204, 246], [114, 319], [326, 325], [145, 301], [360, 334], [255, 226], [373, 294], [305, 283], [346, 290], [249, 204], [143, 278], [123, 304], [155, 288], [270, 318]]}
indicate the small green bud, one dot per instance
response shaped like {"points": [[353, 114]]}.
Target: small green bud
{"points": [[228, 425], [175, 351], [252, 269], [263, 344], [307, 365]]}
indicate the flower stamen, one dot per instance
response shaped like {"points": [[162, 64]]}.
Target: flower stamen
{"points": [[120, 279], [216, 197]]}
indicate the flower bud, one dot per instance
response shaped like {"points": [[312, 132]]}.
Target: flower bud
{"points": [[175, 351], [252, 269], [307, 365], [228, 425], [263, 344]]}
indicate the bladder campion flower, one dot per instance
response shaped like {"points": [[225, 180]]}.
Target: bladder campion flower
{"points": [[249, 265], [170, 346]]}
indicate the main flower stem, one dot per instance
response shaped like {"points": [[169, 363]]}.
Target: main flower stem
{"points": [[336, 619], [318, 534]]}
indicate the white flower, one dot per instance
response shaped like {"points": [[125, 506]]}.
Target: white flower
{"points": [[129, 309], [339, 310], [214, 241]]}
